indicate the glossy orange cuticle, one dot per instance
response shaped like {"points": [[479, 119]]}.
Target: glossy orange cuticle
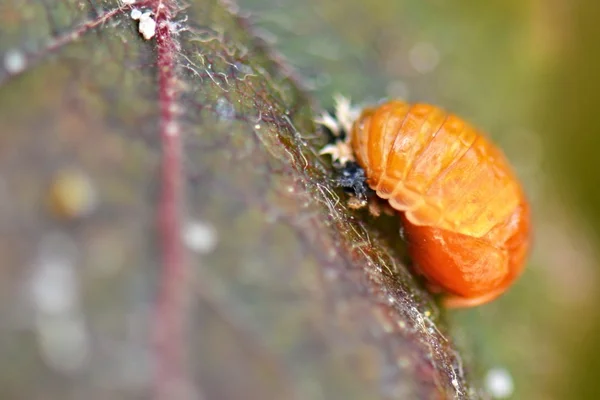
{"points": [[465, 215]]}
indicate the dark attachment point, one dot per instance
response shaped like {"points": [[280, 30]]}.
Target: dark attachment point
{"points": [[352, 179]]}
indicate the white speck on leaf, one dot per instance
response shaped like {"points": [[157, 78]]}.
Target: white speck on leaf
{"points": [[147, 27], [54, 285], [14, 61], [60, 328], [136, 14], [499, 383], [171, 129], [200, 236]]}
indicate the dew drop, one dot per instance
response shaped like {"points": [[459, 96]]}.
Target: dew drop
{"points": [[14, 61], [499, 383], [200, 236]]}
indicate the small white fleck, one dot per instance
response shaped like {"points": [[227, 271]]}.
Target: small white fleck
{"points": [[257, 126], [499, 383], [200, 237], [136, 14], [424, 57], [147, 25], [14, 61], [174, 107], [127, 2], [54, 285], [171, 129]]}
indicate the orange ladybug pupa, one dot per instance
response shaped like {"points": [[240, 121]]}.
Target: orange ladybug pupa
{"points": [[465, 215]]}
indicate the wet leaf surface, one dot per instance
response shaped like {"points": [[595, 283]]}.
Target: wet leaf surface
{"points": [[168, 230]]}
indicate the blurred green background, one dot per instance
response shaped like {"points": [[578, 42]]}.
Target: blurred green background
{"points": [[526, 72]]}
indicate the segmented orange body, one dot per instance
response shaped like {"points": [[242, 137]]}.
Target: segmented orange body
{"points": [[466, 218]]}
